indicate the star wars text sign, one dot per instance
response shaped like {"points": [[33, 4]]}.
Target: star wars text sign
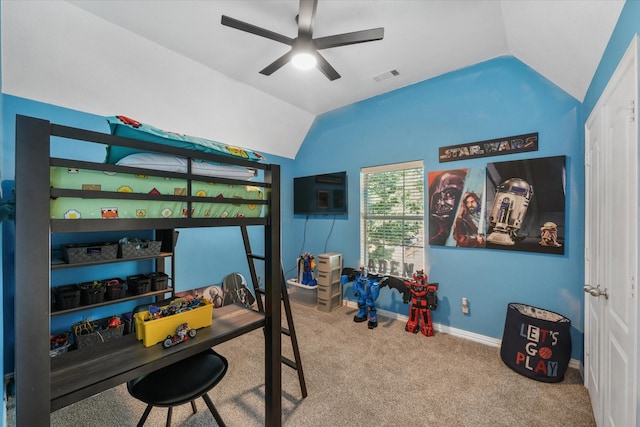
{"points": [[491, 147]]}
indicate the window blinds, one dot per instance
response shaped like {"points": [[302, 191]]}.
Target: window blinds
{"points": [[392, 223]]}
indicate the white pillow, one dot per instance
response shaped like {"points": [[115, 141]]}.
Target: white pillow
{"points": [[169, 163]]}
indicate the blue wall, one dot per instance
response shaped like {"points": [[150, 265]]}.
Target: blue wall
{"points": [[494, 99], [627, 27], [498, 98], [203, 256]]}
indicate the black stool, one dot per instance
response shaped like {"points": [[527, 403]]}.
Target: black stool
{"points": [[182, 382]]}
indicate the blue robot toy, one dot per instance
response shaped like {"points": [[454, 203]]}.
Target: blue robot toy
{"points": [[306, 268], [366, 287]]}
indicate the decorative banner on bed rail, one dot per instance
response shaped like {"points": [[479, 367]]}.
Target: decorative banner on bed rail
{"points": [[491, 147]]}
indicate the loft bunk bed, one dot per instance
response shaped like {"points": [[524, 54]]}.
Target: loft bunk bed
{"points": [[44, 181]]}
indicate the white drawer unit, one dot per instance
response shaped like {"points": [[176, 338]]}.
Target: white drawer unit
{"points": [[328, 278], [330, 304], [329, 262], [326, 292]]}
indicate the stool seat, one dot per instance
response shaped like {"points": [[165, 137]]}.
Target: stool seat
{"points": [[179, 383]]}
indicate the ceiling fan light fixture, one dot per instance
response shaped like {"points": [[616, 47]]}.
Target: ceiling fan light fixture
{"points": [[304, 53], [304, 60]]}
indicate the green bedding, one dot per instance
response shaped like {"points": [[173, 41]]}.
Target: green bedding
{"points": [[130, 128], [82, 179]]}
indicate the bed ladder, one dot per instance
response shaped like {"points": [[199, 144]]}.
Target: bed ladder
{"points": [[290, 329]]}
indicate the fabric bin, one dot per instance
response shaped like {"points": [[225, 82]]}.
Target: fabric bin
{"points": [[98, 333], [159, 281], [91, 292], [66, 297], [115, 288], [74, 254], [138, 249], [139, 284], [127, 318], [536, 342]]}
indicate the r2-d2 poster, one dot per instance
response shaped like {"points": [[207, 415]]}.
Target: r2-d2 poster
{"points": [[456, 208], [525, 202]]}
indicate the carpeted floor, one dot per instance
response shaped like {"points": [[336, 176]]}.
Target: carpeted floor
{"points": [[361, 377]]}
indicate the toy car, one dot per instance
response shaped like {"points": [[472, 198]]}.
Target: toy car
{"points": [[183, 332]]}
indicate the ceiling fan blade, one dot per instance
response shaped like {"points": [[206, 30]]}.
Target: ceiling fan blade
{"points": [[277, 64], [326, 68], [349, 38], [249, 28], [306, 17]]}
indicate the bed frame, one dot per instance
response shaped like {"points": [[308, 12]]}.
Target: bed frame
{"points": [[33, 256]]}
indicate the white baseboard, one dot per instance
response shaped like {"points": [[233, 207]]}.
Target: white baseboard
{"points": [[471, 336]]}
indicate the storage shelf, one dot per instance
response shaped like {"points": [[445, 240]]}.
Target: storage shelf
{"points": [[55, 312], [57, 263]]}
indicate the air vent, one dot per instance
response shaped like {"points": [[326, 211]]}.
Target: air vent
{"points": [[386, 75]]}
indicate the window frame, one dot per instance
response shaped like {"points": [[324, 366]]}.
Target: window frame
{"points": [[366, 217]]}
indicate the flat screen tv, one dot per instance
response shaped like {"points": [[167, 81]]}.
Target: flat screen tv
{"points": [[324, 194]]}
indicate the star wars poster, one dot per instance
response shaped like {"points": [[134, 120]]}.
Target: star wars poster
{"points": [[456, 208], [525, 202]]}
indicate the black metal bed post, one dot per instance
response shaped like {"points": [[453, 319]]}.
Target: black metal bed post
{"points": [[32, 271], [273, 289]]}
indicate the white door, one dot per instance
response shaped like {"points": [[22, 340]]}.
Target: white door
{"points": [[611, 247], [594, 223]]}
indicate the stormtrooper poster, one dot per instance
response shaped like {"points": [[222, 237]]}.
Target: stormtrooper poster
{"points": [[456, 208], [525, 202]]}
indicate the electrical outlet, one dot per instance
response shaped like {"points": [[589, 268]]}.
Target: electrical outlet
{"points": [[465, 306]]}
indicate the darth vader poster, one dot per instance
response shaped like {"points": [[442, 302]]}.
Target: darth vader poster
{"points": [[456, 208], [517, 205]]}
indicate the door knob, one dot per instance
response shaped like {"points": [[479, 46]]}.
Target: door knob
{"points": [[597, 292]]}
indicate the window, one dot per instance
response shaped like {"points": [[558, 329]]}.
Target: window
{"points": [[392, 223]]}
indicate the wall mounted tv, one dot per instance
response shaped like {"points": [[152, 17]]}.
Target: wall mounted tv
{"points": [[324, 194]]}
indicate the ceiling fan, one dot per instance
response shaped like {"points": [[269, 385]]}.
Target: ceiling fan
{"points": [[305, 47]]}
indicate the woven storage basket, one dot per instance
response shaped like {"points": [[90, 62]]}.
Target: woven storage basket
{"points": [[139, 284], [91, 292], [74, 254], [101, 333], [115, 288], [139, 249], [66, 297], [159, 281]]}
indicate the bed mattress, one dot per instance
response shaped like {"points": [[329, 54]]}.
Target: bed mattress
{"points": [[98, 208]]}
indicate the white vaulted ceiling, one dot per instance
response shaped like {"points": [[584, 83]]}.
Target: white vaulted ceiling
{"points": [[179, 52]]}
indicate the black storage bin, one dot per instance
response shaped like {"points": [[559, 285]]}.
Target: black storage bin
{"points": [[536, 342], [91, 292], [139, 284], [159, 281], [127, 319], [115, 288], [66, 297]]}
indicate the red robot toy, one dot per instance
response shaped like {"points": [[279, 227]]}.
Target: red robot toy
{"points": [[423, 300]]}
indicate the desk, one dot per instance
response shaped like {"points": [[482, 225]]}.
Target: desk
{"points": [[82, 373]]}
